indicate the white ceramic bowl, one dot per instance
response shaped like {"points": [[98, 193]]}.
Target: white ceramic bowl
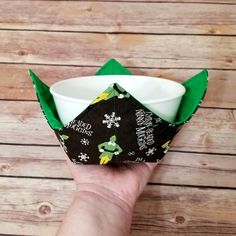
{"points": [[160, 95]]}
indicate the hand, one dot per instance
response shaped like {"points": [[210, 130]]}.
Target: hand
{"points": [[105, 198], [123, 183]]}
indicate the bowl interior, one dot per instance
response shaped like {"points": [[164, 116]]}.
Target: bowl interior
{"points": [[144, 88]]}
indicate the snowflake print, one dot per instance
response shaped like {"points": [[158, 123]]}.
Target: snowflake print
{"points": [[83, 157], [84, 141], [131, 153], [111, 120], [151, 151]]}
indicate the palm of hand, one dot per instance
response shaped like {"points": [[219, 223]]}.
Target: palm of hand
{"points": [[125, 182]]}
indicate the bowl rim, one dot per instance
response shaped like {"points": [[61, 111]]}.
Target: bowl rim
{"points": [[182, 89]]}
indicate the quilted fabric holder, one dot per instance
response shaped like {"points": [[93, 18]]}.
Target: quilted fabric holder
{"points": [[115, 127]]}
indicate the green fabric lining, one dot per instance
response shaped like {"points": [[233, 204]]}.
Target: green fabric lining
{"points": [[46, 101], [195, 90], [113, 67]]}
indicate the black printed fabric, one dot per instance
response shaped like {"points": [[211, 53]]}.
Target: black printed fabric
{"points": [[116, 128]]}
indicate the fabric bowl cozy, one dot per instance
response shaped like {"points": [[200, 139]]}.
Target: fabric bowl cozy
{"points": [[119, 130]]}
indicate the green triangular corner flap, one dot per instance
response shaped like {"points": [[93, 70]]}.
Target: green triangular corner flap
{"points": [[46, 101], [113, 67], [195, 91]]}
